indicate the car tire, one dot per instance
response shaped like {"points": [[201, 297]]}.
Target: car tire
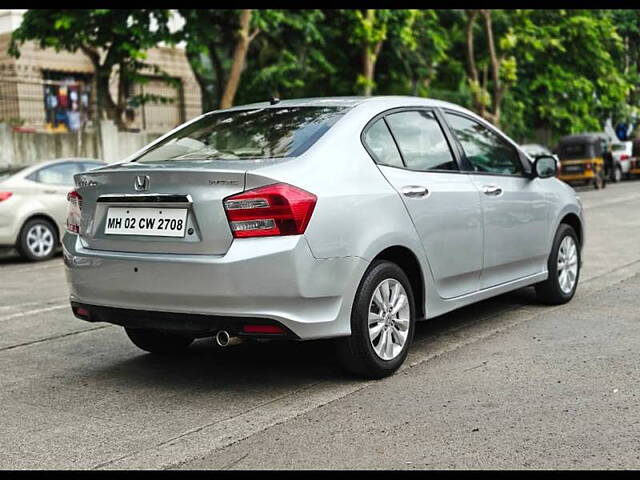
{"points": [[37, 240], [565, 254], [617, 175], [159, 342], [365, 353]]}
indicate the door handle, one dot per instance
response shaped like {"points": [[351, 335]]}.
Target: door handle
{"points": [[50, 191], [492, 190], [415, 191]]}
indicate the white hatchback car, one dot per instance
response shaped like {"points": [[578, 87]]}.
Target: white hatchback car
{"points": [[33, 204]]}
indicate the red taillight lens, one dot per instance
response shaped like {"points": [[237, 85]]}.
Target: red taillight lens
{"points": [[74, 211], [5, 196], [278, 209], [624, 156], [587, 166]]}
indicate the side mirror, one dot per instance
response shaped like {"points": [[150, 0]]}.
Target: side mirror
{"points": [[545, 166]]}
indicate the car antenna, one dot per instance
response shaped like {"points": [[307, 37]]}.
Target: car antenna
{"points": [[274, 100]]}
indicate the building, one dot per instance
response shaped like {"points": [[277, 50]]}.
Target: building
{"points": [[45, 90]]}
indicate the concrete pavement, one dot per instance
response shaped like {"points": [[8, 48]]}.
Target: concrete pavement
{"points": [[506, 383]]}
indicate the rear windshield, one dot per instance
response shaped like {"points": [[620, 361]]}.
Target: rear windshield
{"points": [[7, 172], [574, 150], [247, 134]]}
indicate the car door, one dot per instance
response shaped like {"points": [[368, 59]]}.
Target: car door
{"points": [[515, 208], [53, 182], [414, 155]]}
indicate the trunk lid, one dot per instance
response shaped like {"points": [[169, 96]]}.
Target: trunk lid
{"points": [[197, 187]]}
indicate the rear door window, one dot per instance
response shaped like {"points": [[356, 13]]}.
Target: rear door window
{"points": [[60, 174], [421, 141]]}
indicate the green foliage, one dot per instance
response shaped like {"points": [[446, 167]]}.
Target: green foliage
{"points": [[564, 70]]}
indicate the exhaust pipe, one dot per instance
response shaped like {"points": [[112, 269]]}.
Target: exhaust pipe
{"points": [[222, 338]]}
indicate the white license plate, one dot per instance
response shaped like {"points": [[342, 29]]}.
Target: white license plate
{"points": [[155, 222]]}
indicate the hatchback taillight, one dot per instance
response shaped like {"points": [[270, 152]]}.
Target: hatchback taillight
{"points": [[5, 195], [74, 210], [278, 209], [624, 156]]}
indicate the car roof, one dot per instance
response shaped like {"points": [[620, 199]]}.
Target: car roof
{"points": [[388, 101]]}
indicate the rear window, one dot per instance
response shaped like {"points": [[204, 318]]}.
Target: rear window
{"points": [[575, 150], [618, 147], [247, 134], [5, 173]]}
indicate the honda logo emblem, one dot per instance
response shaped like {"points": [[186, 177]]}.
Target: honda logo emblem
{"points": [[141, 183]]}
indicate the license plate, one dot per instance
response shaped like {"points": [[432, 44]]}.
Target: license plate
{"points": [[154, 222], [573, 168]]}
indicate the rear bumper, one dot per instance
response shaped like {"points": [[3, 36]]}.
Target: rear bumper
{"points": [[274, 278]]}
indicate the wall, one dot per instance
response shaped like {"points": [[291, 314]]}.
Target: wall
{"points": [[20, 148]]}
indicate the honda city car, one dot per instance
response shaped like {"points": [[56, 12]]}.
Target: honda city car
{"points": [[332, 218]]}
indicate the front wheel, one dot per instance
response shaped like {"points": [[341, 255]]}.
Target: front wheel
{"points": [[563, 266], [156, 341], [382, 323]]}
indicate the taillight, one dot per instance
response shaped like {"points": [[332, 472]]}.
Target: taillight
{"points": [[74, 210], [5, 195], [278, 209], [587, 166], [624, 156]]}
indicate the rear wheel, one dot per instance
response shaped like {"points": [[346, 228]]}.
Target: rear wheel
{"points": [[382, 323], [156, 341], [617, 174], [37, 240], [563, 266]]}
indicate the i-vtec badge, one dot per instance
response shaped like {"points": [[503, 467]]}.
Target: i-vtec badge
{"points": [[85, 182], [141, 183]]}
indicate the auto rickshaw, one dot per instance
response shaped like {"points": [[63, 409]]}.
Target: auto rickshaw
{"points": [[582, 158], [634, 164]]}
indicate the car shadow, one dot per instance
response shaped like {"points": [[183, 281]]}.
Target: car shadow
{"points": [[279, 364], [9, 256]]}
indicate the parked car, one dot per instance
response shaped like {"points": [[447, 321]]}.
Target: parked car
{"points": [[582, 159], [33, 204], [621, 153], [343, 218], [534, 150]]}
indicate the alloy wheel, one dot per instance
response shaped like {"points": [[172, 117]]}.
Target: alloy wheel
{"points": [[567, 264], [389, 319]]}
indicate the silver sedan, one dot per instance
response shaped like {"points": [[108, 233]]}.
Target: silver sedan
{"points": [[344, 218]]}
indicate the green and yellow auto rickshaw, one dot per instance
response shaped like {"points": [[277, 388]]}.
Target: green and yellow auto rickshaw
{"points": [[582, 158]]}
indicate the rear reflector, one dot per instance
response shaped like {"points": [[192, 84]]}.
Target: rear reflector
{"points": [[278, 209], [263, 329], [81, 312], [5, 195]]}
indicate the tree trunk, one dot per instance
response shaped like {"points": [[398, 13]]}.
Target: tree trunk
{"points": [[239, 57], [472, 70], [369, 59], [498, 90], [207, 99]]}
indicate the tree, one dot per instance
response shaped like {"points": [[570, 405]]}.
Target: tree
{"points": [[111, 39], [488, 101], [371, 28], [218, 42]]}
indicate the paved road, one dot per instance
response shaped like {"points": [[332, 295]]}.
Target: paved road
{"points": [[506, 383]]}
